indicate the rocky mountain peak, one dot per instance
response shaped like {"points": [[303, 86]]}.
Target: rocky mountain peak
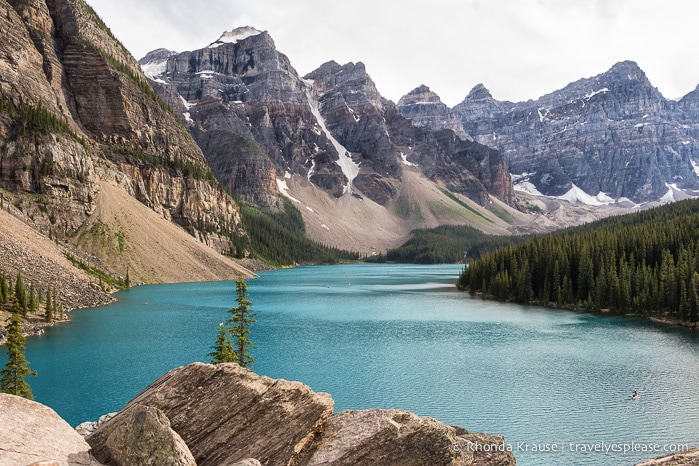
{"points": [[234, 36], [628, 70], [479, 92], [421, 94], [155, 62], [425, 109], [609, 137]]}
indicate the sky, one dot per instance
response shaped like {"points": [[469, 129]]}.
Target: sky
{"points": [[518, 49]]}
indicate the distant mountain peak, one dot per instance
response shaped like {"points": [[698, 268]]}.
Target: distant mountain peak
{"points": [[479, 92], [627, 70], [237, 34], [422, 95]]}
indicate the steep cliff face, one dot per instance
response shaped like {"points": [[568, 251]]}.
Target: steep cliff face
{"points": [[613, 136], [77, 111], [244, 90]]}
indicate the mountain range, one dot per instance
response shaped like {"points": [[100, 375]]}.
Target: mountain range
{"points": [[611, 142], [140, 168], [360, 172]]}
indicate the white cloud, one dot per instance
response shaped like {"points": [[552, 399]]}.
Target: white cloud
{"points": [[519, 49]]}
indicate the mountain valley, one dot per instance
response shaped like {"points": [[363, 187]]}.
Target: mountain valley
{"points": [[91, 154]]}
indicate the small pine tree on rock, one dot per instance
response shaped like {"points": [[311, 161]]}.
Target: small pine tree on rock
{"points": [[241, 318], [14, 376], [233, 342], [223, 348]]}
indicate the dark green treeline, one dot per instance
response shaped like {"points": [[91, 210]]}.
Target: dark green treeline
{"points": [[645, 263], [279, 238]]}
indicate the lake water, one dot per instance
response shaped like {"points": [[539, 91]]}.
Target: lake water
{"points": [[400, 336]]}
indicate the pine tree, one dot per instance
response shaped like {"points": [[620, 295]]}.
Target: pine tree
{"points": [[241, 318], [33, 303], [49, 311], [223, 349], [16, 370], [21, 294], [4, 291]]}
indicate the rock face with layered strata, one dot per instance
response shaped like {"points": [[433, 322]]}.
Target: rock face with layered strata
{"points": [[76, 110], [613, 134], [424, 108], [330, 127]]}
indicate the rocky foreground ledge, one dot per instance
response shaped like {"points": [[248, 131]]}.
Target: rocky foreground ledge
{"points": [[225, 415]]}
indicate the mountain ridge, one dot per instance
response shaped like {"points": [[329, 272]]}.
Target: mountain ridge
{"points": [[77, 119], [332, 143], [613, 133]]}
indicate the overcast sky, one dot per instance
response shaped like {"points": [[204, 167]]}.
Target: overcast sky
{"points": [[519, 49]]}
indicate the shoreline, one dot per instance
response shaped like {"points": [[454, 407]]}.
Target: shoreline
{"points": [[606, 312], [34, 325]]}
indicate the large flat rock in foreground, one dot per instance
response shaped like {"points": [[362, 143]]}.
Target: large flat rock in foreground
{"points": [[397, 438], [31, 432], [225, 413]]}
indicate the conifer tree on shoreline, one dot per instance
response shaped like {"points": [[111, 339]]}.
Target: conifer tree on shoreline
{"points": [[14, 376]]}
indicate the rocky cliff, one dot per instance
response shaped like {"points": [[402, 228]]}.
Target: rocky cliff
{"points": [[327, 140], [424, 108], [76, 114], [225, 414], [612, 136]]}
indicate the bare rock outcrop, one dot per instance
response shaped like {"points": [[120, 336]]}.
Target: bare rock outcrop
{"points": [[229, 416], [686, 458], [226, 414], [393, 437], [33, 433], [143, 436]]}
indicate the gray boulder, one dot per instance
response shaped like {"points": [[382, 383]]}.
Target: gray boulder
{"points": [[140, 437]]}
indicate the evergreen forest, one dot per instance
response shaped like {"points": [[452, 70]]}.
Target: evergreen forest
{"points": [[279, 238], [646, 263], [447, 244]]}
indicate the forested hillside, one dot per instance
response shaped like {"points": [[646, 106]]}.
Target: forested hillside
{"points": [[645, 263], [279, 238], [447, 244]]}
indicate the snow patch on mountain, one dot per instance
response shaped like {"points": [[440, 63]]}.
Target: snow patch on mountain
{"points": [[694, 164], [284, 188], [404, 158], [575, 195], [237, 34], [349, 167]]}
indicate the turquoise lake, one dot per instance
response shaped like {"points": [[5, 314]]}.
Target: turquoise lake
{"points": [[400, 336]]}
